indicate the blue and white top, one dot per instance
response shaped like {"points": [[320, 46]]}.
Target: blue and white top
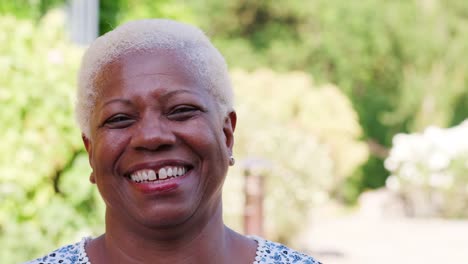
{"points": [[267, 253]]}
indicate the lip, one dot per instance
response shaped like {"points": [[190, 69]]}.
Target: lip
{"points": [[162, 187]]}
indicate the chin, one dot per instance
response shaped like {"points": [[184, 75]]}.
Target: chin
{"points": [[165, 218]]}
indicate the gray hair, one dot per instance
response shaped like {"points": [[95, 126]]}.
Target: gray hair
{"points": [[206, 62]]}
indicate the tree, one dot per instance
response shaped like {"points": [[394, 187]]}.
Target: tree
{"points": [[304, 149], [27, 9], [46, 197], [395, 60]]}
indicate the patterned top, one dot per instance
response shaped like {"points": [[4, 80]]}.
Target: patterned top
{"points": [[267, 253]]}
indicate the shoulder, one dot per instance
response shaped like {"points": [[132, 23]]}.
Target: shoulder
{"points": [[69, 254], [269, 252]]}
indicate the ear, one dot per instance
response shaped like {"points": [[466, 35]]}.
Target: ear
{"points": [[228, 129], [88, 145]]}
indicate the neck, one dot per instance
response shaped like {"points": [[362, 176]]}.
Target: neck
{"points": [[197, 240]]}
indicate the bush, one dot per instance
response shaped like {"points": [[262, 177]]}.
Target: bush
{"points": [[46, 197], [430, 171], [304, 137]]}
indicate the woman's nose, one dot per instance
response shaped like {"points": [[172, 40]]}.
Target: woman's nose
{"points": [[152, 134]]}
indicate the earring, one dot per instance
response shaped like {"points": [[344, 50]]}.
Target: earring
{"points": [[232, 161], [92, 178]]}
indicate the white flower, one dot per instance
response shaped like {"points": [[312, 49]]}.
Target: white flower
{"points": [[430, 159], [392, 183], [438, 161], [441, 180]]}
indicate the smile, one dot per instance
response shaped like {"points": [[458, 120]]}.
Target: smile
{"points": [[148, 175]]}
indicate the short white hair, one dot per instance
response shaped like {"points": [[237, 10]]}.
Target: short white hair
{"points": [[205, 61]]}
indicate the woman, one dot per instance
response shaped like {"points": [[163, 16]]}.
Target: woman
{"points": [[155, 108]]}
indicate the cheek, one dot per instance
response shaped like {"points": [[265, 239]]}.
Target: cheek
{"points": [[207, 139], [106, 153], [107, 150]]}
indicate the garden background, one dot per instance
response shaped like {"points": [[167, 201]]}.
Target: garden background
{"points": [[344, 107]]}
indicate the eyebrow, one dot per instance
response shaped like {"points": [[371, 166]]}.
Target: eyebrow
{"points": [[163, 97], [117, 100], [173, 93]]}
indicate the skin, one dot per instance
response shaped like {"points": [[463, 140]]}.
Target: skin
{"points": [[150, 112]]}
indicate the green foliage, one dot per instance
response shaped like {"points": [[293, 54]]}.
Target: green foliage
{"points": [[398, 61], [115, 12], [302, 149], [46, 197], [27, 9]]}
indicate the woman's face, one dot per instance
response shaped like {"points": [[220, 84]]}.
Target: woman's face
{"points": [[159, 148]]}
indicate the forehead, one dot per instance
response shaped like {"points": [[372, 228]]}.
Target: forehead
{"points": [[158, 65]]}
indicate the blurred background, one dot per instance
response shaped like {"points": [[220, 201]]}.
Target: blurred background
{"points": [[351, 142]]}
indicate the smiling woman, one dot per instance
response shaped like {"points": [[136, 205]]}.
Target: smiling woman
{"points": [[155, 109]]}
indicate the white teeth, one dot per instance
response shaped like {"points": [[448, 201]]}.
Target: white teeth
{"points": [[139, 177], [162, 174], [143, 175], [152, 175], [134, 177]]}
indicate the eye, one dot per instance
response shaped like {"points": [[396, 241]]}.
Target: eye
{"points": [[183, 112], [183, 109], [118, 121]]}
